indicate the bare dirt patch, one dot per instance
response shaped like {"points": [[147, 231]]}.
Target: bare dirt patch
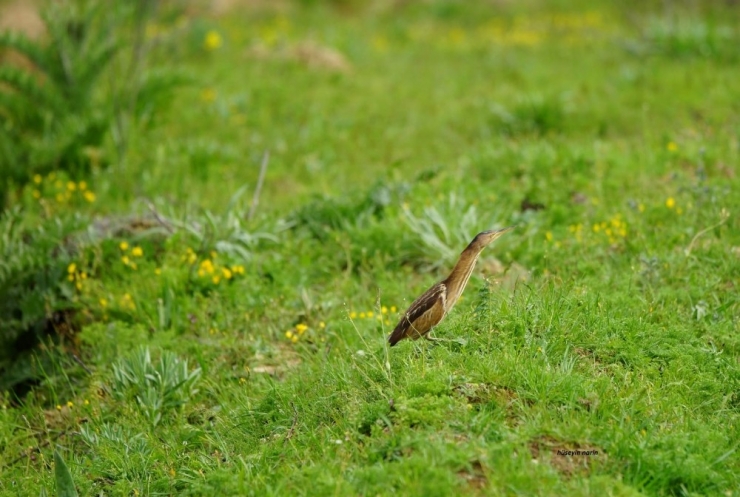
{"points": [[567, 457], [22, 16], [474, 476]]}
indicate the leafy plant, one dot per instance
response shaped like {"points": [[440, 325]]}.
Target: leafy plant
{"points": [[34, 299], [56, 113], [63, 478], [686, 38], [51, 113], [158, 387], [446, 230], [324, 214], [533, 115], [227, 232]]}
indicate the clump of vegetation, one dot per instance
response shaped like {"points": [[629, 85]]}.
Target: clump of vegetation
{"points": [[58, 108]]}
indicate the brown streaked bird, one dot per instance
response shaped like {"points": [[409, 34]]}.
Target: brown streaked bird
{"points": [[433, 305]]}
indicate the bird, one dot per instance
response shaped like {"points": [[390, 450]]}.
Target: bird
{"points": [[432, 306]]}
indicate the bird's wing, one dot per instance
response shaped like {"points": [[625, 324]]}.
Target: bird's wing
{"points": [[424, 312]]}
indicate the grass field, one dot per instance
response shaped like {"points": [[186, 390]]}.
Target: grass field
{"points": [[597, 347]]}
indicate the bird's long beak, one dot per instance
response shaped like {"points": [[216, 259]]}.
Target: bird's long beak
{"points": [[504, 230]]}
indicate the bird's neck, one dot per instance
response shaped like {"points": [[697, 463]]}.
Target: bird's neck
{"points": [[460, 274]]}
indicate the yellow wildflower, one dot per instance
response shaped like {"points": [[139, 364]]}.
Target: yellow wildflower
{"points": [[208, 95], [288, 334], [384, 310], [380, 44], [87, 402], [71, 186], [190, 256], [90, 196], [37, 179], [72, 268], [216, 280], [352, 315], [548, 236], [137, 251], [226, 272], [301, 328], [670, 202], [213, 40], [393, 308], [362, 315], [294, 339], [103, 303], [123, 246], [59, 408], [82, 185], [125, 260], [671, 147], [36, 194], [322, 325], [206, 266], [157, 271], [69, 403]]}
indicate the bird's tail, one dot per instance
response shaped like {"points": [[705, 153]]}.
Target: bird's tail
{"points": [[397, 335]]}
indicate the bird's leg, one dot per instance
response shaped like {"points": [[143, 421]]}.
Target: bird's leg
{"points": [[434, 339]]}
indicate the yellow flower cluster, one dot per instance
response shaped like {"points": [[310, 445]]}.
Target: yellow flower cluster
{"points": [[614, 229], [384, 312], [523, 31], [577, 231], [135, 252], [213, 40], [208, 269], [77, 277], [295, 333], [190, 256], [672, 205], [61, 191], [127, 302], [69, 405]]}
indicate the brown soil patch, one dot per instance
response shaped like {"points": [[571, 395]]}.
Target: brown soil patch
{"points": [[477, 393], [22, 16], [308, 53], [283, 360], [474, 476], [568, 458]]}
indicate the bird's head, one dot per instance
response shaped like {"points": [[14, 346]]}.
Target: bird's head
{"points": [[486, 237]]}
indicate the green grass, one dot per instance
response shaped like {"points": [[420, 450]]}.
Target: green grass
{"points": [[608, 321]]}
